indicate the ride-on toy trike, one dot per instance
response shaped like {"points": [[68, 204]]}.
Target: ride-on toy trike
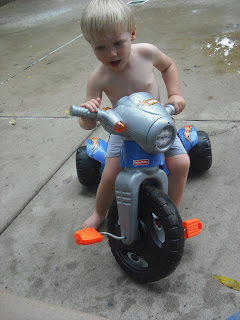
{"points": [[146, 233]]}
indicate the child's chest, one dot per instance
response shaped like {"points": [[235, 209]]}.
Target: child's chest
{"points": [[135, 79]]}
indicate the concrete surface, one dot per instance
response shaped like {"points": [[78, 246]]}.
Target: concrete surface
{"points": [[14, 307], [44, 67]]}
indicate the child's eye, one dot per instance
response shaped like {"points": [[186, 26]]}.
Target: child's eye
{"points": [[100, 48], [118, 44]]}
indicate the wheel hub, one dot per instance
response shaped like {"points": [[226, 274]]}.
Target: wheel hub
{"points": [[137, 259], [158, 228]]}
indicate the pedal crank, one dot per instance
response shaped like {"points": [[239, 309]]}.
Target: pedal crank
{"points": [[91, 236]]}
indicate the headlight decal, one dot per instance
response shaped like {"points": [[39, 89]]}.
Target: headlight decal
{"points": [[164, 137]]}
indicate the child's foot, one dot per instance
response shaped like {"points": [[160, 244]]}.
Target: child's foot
{"points": [[93, 221]]}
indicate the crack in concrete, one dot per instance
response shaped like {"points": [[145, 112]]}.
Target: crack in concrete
{"points": [[47, 55], [214, 133]]}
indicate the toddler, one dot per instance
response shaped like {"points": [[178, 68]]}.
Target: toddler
{"points": [[126, 68]]}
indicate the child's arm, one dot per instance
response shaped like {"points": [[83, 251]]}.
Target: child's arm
{"points": [[92, 102], [171, 79]]}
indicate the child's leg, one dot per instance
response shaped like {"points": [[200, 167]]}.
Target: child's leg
{"points": [[178, 167], [105, 192]]}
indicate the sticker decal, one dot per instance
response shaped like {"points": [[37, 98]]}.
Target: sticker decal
{"points": [[106, 108], [142, 162], [187, 133], [148, 102], [95, 144]]}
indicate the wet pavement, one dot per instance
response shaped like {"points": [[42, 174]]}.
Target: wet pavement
{"points": [[44, 66]]}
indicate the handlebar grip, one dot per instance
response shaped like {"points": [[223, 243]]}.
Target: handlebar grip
{"points": [[170, 109], [82, 112]]}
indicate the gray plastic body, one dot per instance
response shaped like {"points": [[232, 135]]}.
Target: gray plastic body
{"points": [[127, 187], [143, 116]]}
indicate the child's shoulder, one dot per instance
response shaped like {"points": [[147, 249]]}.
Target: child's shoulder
{"points": [[96, 79], [144, 46], [98, 73], [146, 50]]}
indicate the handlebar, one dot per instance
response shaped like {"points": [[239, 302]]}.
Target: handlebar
{"points": [[111, 120], [82, 112], [170, 109]]}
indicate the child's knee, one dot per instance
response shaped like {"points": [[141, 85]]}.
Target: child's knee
{"points": [[179, 163], [185, 162]]}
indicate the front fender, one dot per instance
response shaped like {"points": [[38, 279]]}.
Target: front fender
{"points": [[96, 149]]}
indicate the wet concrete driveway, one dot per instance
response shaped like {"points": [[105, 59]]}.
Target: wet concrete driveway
{"points": [[44, 66]]}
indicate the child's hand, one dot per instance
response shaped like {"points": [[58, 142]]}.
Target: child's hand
{"points": [[178, 102], [92, 105]]}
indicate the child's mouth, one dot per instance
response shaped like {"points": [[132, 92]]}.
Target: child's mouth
{"points": [[115, 63]]}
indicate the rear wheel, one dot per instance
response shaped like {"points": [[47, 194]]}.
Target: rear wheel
{"points": [[201, 154], [159, 247], [88, 169]]}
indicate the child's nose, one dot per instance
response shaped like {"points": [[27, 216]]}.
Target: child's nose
{"points": [[112, 53]]}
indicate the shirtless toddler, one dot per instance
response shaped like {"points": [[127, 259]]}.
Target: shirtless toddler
{"points": [[126, 68]]}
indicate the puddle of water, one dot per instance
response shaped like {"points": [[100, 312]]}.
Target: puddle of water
{"points": [[223, 51], [206, 35]]}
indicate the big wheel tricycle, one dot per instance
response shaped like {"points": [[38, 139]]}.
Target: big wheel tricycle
{"points": [[146, 233]]}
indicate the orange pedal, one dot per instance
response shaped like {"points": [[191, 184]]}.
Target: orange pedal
{"points": [[87, 236], [192, 227]]}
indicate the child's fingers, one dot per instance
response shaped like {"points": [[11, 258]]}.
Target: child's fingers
{"points": [[92, 105], [178, 108], [179, 104], [88, 105], [98, 100], [181, 107]]}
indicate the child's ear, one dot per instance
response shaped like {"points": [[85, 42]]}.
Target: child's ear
{"points": [[133, 34]]}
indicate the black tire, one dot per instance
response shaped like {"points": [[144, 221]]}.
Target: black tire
{"points": [[88, 169], [159, 247], [201, 154]]}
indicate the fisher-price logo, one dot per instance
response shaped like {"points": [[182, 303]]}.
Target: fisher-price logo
{"points": [[142, 162]]}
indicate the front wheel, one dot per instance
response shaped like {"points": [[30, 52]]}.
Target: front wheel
{"points": [[159, 247]]}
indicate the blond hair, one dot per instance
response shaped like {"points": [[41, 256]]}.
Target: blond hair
{"points": [[102, 18]]}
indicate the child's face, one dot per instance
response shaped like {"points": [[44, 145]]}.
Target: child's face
{"points": [[114, 52]]}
